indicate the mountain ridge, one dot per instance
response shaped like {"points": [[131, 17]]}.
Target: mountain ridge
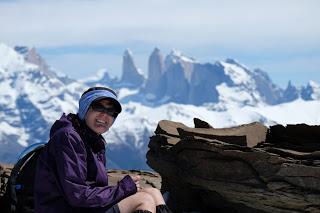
{"points": [[33, 96], [194, 77]]}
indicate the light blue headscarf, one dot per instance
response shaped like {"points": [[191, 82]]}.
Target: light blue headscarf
{"points": [[89, 97]]}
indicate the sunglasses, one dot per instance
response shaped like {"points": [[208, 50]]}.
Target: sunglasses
{"points": [[97, 107]]}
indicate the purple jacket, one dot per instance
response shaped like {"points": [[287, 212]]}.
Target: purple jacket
{"points": [[71, 171]]}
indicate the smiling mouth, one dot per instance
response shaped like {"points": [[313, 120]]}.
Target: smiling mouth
{"points": [[101, 122]]}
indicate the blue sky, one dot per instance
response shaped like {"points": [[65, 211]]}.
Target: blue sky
{"points": [[78, 37]]}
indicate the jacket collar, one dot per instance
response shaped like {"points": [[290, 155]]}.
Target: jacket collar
{"points": [[95, 141]]}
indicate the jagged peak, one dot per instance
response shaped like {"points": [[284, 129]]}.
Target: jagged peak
{"points": [[291, 85], [31, 55], [131, 75], [313, 84], [237, 63], [232, 61], [28, 52], [258, 70], [101, 74], [127, 53], [33, 50], [10, 59], [178, 55], [261, 73], [156, 55], [175, 52], [21, 49], [156, 51]]}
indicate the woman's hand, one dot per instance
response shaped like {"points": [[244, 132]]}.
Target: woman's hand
{"points": [[136, 180]]}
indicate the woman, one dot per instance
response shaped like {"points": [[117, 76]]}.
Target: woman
{"points": [[71, 171]]}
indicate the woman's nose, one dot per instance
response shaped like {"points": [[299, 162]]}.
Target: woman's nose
{"points": [[106, 115]]}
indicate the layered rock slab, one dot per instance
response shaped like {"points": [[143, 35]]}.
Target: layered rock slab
{"points": [[206, 173]]}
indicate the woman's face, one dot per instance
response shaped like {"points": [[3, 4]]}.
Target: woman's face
{"points": [[97, 120]]}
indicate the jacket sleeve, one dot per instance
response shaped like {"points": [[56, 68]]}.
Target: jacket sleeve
{"points": [[70, 156]]}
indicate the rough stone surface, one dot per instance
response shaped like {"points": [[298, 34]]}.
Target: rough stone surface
{"points": [[206, 173]]}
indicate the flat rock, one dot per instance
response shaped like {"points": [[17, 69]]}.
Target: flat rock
{"points": [[148, 179]]}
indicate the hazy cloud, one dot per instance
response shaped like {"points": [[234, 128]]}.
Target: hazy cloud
{"points": [[245, 23], [281, 36]]}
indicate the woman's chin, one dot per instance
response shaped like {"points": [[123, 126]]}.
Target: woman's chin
{"points": [[100, 129]]}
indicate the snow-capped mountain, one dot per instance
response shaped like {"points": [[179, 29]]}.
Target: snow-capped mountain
{"points": [[31, 56], [311, 91], [131, 75], [182, 79], [178, 88], [155, 83], [30, 100]]}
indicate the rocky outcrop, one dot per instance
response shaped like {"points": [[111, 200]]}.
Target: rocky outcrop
{"points": [[206, 77], [155, 86], [247, 168], [216, 79], [177, 72], [291, 93], [271, 93], [32, 56], [5, 170], [131, 76], [148, 179], [311, 91]]}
